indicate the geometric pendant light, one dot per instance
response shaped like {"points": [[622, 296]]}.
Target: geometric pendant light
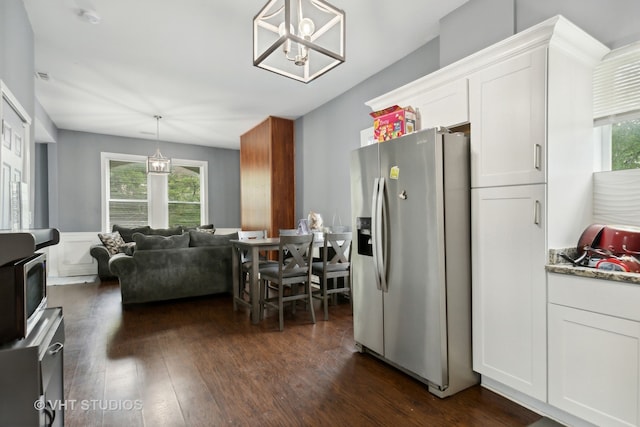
{"points": [[299, 39], [158, 164]]}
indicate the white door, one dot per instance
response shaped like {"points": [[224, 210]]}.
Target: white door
{"points": [[509, 286], [507, 107]]}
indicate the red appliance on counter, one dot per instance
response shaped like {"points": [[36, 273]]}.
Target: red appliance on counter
{"points": [[615, 247]]}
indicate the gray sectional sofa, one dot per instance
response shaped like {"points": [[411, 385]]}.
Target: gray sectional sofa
{"points": [[170, 267], [103, 254]]}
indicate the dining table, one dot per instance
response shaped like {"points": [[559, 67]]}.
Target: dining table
{"points": [[253, 247]]}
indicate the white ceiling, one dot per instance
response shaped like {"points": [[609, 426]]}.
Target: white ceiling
{"points": [[191, 62]]}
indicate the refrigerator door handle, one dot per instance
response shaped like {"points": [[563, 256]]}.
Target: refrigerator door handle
{"points": [[380, 235], [374, 227]]}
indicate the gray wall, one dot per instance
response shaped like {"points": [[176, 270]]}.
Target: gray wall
{"points": [[325, 136], [74, 178], [41, 189], [614, 22], [16, 52], [474, 26], [46, 130], [17, 62]]}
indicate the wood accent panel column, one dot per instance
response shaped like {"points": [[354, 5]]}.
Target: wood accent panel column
{"points": [[267, 176]]}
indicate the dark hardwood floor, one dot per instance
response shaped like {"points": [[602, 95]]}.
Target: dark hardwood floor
{"points": [[197, 362]]}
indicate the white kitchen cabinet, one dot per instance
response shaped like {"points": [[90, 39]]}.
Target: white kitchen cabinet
{"points": [[446, 105], [594, 349], [531, 124], [507, 106], [438, 100], [508, 292]]}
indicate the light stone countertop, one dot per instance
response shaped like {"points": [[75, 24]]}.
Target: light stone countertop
{"points": [[561, 266]]}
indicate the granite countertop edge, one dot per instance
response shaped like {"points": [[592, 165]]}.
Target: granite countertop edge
{"points": [[557, 264]]}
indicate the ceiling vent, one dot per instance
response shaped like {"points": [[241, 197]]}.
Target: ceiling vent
{"points": [[40, 75]]}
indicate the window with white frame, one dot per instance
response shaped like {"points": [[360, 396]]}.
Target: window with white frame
{"points": [[616, 92], [133, 198]]}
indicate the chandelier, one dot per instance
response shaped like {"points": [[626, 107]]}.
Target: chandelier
{"points": [[299, 39], [158, 164]]}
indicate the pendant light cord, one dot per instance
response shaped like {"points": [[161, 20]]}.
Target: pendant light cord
{"points": [[158, 117]]}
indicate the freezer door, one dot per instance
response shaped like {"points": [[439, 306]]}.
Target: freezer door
{"points": [[415, 305], [367, 298]]}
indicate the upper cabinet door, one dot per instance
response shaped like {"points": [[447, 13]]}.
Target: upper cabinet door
{"points": [[446, 105], [507, 110]]}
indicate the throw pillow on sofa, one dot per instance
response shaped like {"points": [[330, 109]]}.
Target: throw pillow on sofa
{"points": [[207, 228], [128, 248], [144, 242], [112, 241], [127, 233]]}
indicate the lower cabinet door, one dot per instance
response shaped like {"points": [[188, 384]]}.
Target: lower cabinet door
{"points": [[509, 302], [594, 362]]}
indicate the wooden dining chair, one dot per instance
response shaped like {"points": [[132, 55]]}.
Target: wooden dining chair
{"points": [[292, 274], [246, 261], [335, 264]]}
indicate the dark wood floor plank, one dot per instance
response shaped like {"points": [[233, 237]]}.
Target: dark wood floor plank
{"points": [[196, 362]]}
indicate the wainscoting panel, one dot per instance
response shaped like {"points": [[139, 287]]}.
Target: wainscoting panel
{"points": [[616, 197], [71, 256]]}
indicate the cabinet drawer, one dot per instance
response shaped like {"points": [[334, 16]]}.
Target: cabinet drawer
{"points": [[51, 358], [601, 296]]}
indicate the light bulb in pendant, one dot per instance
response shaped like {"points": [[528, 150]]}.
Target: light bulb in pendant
{"points": [[282, 31], [306, 27]]}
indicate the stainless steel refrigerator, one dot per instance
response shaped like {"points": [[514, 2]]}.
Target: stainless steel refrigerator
{"points": [[411, 284]]}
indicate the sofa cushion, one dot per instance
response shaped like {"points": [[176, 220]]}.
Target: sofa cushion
{"points": [[165, 231], [144, 242], [198, 238], [111, 241], [127, 233]]}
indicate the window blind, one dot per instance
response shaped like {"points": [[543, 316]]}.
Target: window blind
{"points": [[616, 86]]}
